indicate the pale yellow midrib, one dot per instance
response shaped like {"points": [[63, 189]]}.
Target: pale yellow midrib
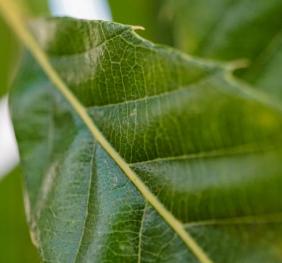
{"points": [[13, 17]]}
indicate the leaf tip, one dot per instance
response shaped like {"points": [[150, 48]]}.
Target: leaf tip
{"points": [[238, 64], [138, 28]]}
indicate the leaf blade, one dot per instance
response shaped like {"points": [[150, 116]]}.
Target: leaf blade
{"points": [[260, 124], [15, 22]]}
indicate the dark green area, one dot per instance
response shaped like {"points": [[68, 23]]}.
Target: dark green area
{"points": [[144, 13], [207, 146], [225, 30], [15, 242]]}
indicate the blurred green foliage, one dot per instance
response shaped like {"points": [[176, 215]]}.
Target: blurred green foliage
{"points": [[10, 48], [14, 237], [37, 7], [146, 13], [8, 52]]}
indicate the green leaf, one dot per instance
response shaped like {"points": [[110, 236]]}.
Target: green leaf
{"points": [[10, 50], [207, 148], [222, 30], [14, 238]]}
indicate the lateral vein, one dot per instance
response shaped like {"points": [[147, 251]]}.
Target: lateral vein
{"points": [[239, 220]]}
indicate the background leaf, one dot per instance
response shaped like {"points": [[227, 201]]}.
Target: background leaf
{"points": [[37, 8], [10, 49], [14, 237], [145, 13], [229, 30], [8, 52], [207, 147]]}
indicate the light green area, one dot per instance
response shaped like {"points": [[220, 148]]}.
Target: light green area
{"points": [[208, 147], [37, 7]]}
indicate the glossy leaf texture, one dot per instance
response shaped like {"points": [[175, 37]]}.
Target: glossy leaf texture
{"points": [[14, 236], [207, 147], [225, 30]]}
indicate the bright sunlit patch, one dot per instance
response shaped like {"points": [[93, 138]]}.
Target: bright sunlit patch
{"points": [[87, 9]]}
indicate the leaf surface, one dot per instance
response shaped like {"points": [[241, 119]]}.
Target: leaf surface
{"points": [[206, 147], [222, 30]]}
